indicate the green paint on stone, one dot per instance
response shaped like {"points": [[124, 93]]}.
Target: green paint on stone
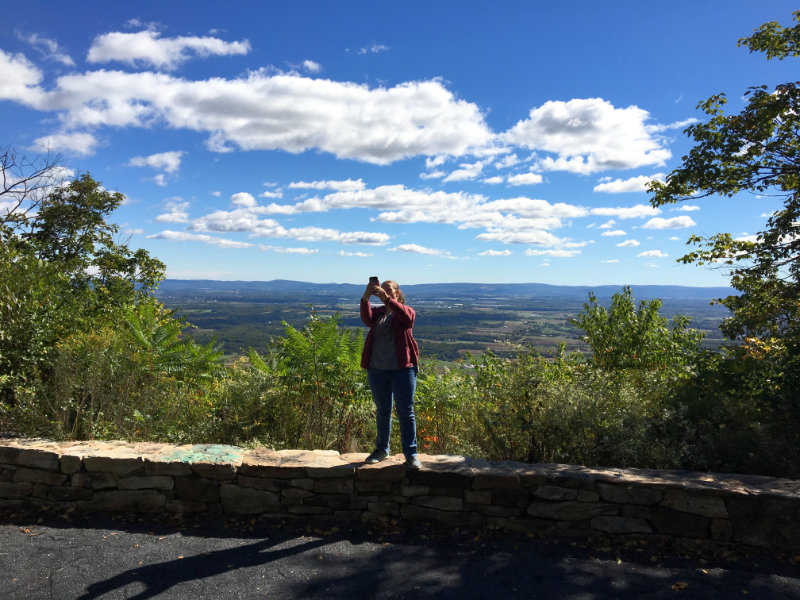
{"points": [[215, 453]]}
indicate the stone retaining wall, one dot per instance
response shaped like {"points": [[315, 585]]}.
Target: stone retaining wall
{"points": [[455, 491]]}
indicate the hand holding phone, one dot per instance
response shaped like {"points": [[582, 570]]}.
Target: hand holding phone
{"points": [[374, 280]]}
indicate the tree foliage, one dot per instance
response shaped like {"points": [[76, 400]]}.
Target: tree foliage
{"points": [[625, 336], [756, 150]]}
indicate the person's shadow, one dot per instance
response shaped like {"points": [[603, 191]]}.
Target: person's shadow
{"points": [[160, 577]]}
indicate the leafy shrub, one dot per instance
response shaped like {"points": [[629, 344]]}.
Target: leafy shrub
{"points": [[442, 406], [308, 390], [138, 382]]}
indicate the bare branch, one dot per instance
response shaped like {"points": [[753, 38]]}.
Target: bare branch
{"points": [[26, 181]]}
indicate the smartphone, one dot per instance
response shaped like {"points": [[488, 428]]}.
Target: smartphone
{"points": [[374, 280]]}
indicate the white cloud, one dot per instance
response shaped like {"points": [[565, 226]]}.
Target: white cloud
{"points": [[311, 66], [688, 208], [77, 142], [416, 249], [435, 161], [525, 179], [653, 254], [373, 49], [346, 185], [177, 211], [610, 261], [614, 233], [495, 253], [48, 48], [507, 161], [466, 171], [628, 244], [356, 254], [432, 175], [493, 180], [558, 253], [160, 179], [627, 212], [608, 224], [521, 237], [283, 250], [589, 135], [19, 80], [166, 161], [673, 223], [243, 199], [245, 219], [266, 112], [182, 236], [148, 48], [674, 125], [216, 193], [633, 184]]}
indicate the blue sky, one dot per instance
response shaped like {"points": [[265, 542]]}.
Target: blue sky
{"points": [[418, 141]]}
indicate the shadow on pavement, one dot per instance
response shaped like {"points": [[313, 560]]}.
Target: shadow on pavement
{"points": [[160, 577], [138, 557]]}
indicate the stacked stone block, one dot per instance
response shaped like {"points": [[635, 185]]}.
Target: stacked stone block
{"points": [[456, 492]]}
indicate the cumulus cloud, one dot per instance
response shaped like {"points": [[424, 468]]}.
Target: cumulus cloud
{"points": [[177, 211], [183, 236], [246, 219], [628, 244], [614, 233], [283, 250], [76, 142], [627, 212], [690, 208], [589, 135], [416, 249], [466, 171], [263, 111], [495, 253], [346, 185], [19, 79], [653, 254], [509, 160], [555, 252], [356, 254], [166, 161], [493, 180], [525, 179], [244, 199], [673, 223], [311, 66], [149, 48], [534, 237], [633, 184]]}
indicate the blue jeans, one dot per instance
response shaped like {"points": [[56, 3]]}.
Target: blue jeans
{"points": [[400, 383]]}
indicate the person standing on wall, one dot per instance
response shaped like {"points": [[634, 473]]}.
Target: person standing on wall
{"points": [[391, 358]]}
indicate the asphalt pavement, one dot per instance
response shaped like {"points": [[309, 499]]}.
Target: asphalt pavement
{"points": [[68, 557]]}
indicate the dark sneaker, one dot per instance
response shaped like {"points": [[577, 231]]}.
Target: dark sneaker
{"points": [[413, 463], [376, 457]]}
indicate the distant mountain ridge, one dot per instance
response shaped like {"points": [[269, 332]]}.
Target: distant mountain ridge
{"points": [[425, 290]]}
